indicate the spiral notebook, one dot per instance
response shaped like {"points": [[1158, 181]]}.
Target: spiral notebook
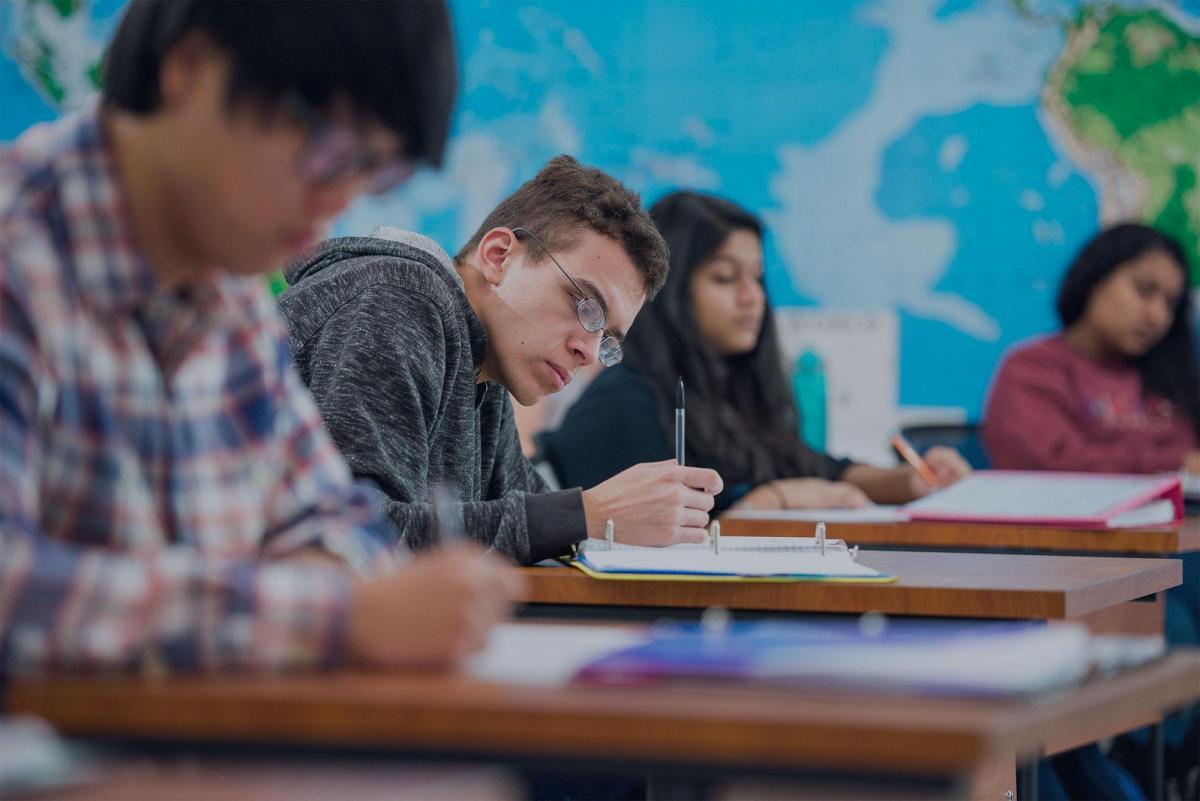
{"points": [[739, 559]]}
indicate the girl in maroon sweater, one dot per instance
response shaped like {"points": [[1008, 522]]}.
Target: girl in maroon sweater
{"points": [[1118, 389]]}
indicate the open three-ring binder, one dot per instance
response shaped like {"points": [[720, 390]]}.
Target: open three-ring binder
{"points": [[768, 559]]}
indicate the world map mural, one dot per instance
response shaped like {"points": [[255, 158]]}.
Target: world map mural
{"points": [[938, 159]]}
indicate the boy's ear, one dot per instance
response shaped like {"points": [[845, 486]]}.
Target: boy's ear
{"points": [[495, 254]]}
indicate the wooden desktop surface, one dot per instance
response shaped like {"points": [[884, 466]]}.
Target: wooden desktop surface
{"points": [[201, 777], [1183, 538], [981, 585], [739, 727]]}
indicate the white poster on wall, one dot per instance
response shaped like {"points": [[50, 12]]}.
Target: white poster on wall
{"points": [[859, 359]]}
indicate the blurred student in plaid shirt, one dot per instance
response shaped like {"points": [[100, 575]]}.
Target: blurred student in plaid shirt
{"points": [[168, 495]]}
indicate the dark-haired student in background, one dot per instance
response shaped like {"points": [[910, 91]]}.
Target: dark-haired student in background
{"points": [[1117, 390], [168, 494], [712, 325]]}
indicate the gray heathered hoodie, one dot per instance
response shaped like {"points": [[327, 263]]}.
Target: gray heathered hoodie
{"points": [[384, 338]]}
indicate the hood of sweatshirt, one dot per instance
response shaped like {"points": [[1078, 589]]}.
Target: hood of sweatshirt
{"points": [[384, 241], [334, 271]]}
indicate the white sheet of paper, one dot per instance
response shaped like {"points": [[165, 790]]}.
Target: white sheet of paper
{"points": [[546, 654], [869, 514], [1155, 513]]}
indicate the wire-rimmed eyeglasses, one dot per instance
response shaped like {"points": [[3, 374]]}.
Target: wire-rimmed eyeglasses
{"points": [[587, 308]]}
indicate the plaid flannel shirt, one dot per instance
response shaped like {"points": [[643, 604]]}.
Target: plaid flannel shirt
{"points": [[158, 452]]}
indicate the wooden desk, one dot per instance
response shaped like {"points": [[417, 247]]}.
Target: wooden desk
{"points": [[201, 777], [1183, 538], [1104, 592], [726, 729]]}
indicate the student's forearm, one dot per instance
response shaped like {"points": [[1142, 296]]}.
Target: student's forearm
{"points": [[882, 485], [764, 496], [526, 527]]}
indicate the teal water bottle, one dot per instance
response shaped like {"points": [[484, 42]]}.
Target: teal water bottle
{"points": [[808, 385]]}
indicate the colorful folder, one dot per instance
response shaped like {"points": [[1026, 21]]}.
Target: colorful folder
{"points": [[972, 658]]}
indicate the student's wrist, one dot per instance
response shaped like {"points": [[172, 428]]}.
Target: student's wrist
{"points": [[776, 493], [593, 513]]}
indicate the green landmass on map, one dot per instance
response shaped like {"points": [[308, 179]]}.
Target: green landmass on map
{"points": [[37, 55], [1134, 92]]}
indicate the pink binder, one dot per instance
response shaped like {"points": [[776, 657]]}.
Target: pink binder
{"points": [[1067, 500]]}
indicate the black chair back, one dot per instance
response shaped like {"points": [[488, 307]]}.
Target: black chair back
{"points": [[963, 437]]}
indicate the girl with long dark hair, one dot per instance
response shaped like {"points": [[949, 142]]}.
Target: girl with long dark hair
{"points": [[711, 325], [1118, 388]]}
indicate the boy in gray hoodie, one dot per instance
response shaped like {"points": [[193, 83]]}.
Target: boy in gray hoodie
{"points": [[409, 354]]}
